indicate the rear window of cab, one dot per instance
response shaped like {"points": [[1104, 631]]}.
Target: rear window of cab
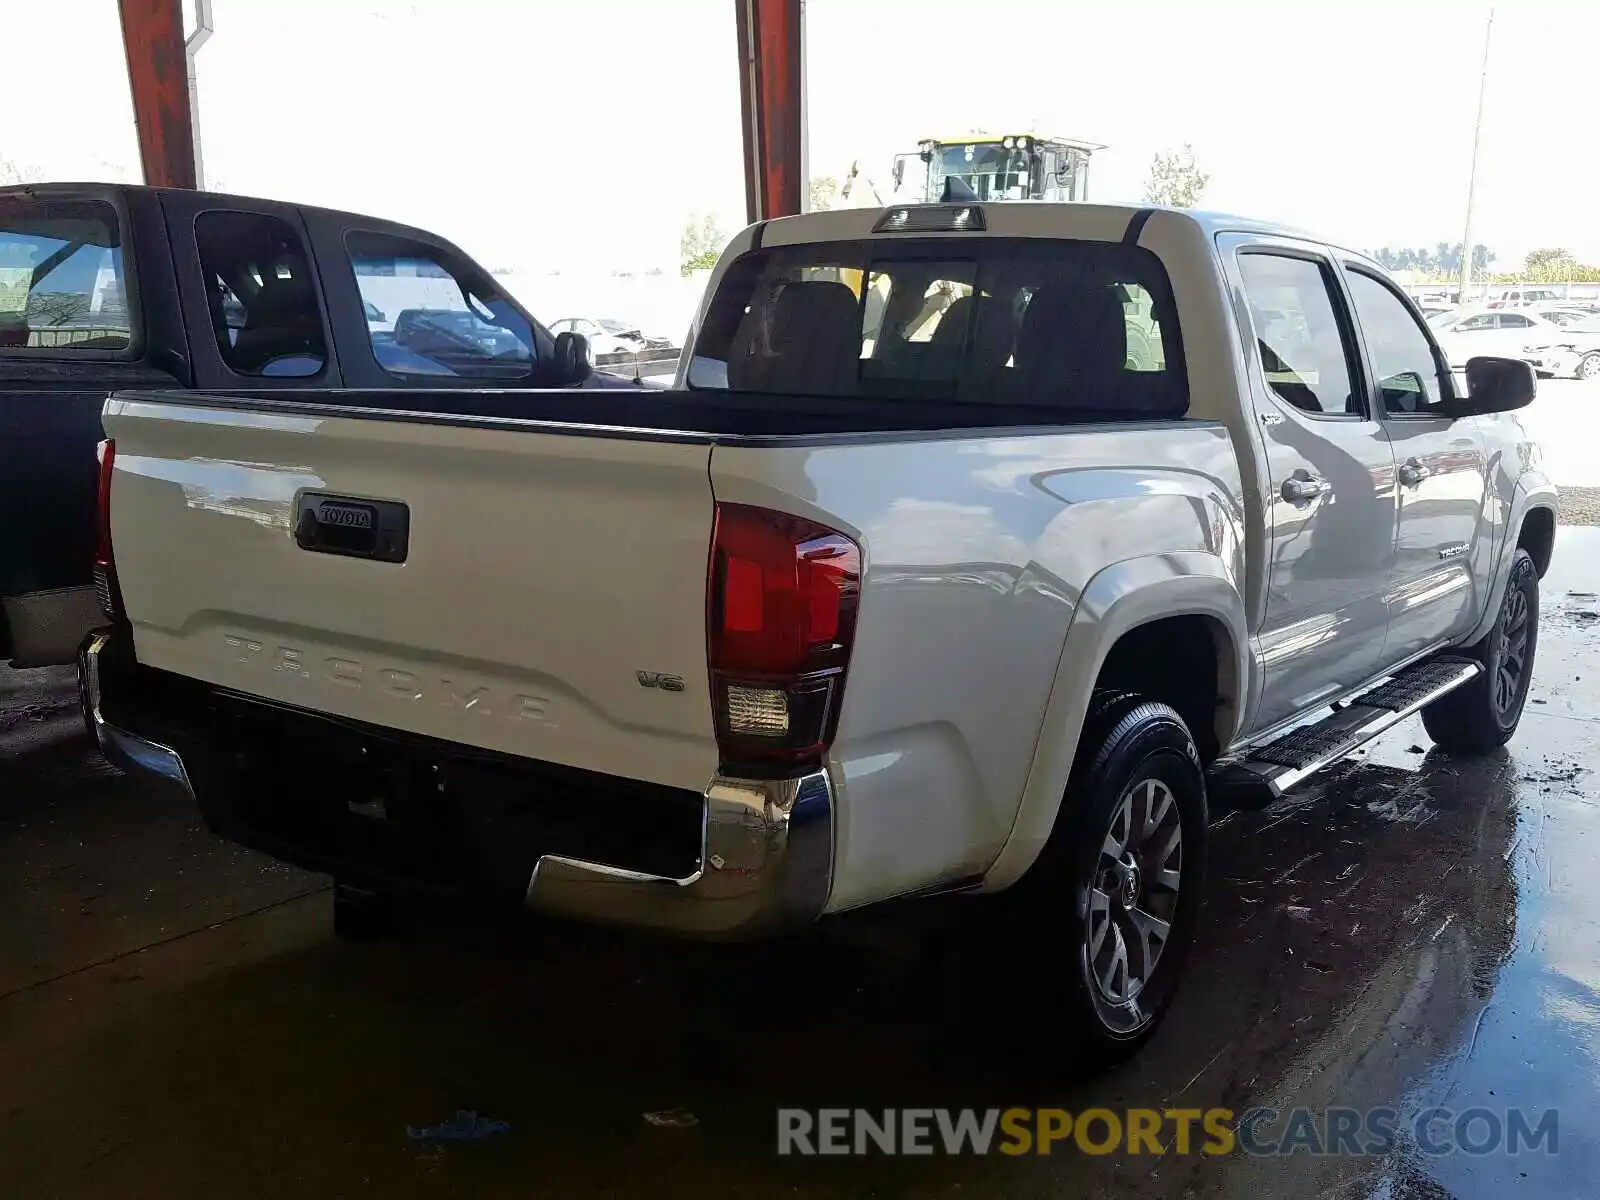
{"points": [[1086, 330]]}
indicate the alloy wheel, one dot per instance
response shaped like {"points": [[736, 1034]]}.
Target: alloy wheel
{"points": [[1133, 894], [1511, 663]]}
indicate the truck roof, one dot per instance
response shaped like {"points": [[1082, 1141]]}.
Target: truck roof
{"points": [[99, 191], [1022, 218]]}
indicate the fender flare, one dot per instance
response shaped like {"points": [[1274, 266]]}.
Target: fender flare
{"points": [[1541, 494], [1119, 598]]}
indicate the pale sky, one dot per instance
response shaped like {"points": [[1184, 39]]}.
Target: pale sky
{"points": [[580, 135]]}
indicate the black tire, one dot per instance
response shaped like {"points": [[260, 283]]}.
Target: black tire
{"points": [[1481, 716], [1128, 743], [1588, 366], [362, 916]]}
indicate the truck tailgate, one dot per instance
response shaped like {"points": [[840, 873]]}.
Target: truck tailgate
{"points": [[551, 601]]}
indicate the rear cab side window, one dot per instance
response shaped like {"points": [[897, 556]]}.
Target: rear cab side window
{"points": [[430, 313], [265, 313], [1059, 331], [63, 285], [1304, 346]]}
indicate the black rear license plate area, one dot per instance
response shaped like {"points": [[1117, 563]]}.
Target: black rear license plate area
{"points": [[395, 808]]}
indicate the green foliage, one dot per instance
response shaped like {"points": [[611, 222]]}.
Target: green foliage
{"points": [[1443, 262], [701, 243], [1548, 264], [1175, 181], [1551, 264], [823, 194], [703, 261]]}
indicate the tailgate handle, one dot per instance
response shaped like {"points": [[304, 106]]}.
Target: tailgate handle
{"points": [[350, 525]]}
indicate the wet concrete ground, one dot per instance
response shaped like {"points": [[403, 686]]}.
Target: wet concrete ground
{"points": [[177, 1020]]}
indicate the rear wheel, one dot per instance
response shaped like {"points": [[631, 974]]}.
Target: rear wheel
{"points": [[1117, 889], [1589, 366], [1483, 714]]}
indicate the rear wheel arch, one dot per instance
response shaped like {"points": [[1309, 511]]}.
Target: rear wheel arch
{"points": [[1532, 527], [1186, 662], [1537, 536], [1125, 613]]}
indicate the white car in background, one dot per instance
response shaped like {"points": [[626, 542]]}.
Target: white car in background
{"points": [[1553, 342], [1519, 297], [1575, 351], [1475, 332], [1572, 318], [607, 335]]}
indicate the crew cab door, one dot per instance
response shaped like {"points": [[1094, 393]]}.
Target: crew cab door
{"points": [[1330, 484], [409, 310], [1445, 544], [251, 297]]}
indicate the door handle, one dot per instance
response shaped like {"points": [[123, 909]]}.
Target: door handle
{"points": [[1413, 471], [1298, 490], [349, 525]]}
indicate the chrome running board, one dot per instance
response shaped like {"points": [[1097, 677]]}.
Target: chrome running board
{"points": [[1266, 771]]}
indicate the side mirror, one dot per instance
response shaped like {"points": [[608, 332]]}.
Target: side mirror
{"points": [[1495, 385], [572, 363], [899, 172]]}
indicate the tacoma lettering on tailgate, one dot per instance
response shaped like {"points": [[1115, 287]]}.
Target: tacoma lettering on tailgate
{"points": [[452, 692]]}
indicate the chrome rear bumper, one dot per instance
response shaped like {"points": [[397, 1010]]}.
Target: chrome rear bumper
{"points": [[136, 755], [766, 857], [766, 863]]}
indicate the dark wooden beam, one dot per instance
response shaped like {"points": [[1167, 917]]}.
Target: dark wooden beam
{"points": [[152, 35], [772, 100]]}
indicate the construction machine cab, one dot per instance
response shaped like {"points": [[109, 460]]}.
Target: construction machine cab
{"points": [[1014, 167]]}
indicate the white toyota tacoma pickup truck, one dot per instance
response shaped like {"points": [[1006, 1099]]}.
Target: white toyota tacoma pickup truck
{"points": [[919, 580]]}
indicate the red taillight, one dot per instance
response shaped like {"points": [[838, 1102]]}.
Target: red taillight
{"points": [[781, 612], [105, 566]]}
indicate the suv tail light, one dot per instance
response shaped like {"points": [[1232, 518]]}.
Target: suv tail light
{"points": [[105, 566], [781, 618]]}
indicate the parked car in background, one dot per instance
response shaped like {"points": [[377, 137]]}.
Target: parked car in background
{"points": [[607, 335], [106, 287], [1555, 341], [445, 334], [1572, 350], [1577, 358], [1581, 319], [1521, 297], [1499, 332], [880, 602]]}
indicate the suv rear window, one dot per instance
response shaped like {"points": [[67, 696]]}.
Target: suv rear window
{"points": [[1086, 330], [62, 285]]}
